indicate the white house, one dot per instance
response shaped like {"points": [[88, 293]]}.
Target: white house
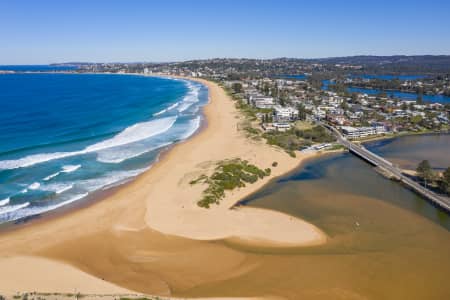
{"points": [[262, 101], [287, 113]]}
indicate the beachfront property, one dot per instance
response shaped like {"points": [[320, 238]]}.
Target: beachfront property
{"points": [[262, 101], [281, 127], [284, 114]]}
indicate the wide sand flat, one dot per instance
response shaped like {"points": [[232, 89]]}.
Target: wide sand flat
{"points": [[149, 235], [40, 274]]}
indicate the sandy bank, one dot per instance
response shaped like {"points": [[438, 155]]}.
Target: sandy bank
{"points": [[39, 274]]}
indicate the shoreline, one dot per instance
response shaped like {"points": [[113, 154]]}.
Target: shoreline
{"points": [[102, 193], [143, 207]]}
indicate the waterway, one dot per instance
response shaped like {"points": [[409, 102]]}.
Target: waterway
{"points": [[385, 241]]}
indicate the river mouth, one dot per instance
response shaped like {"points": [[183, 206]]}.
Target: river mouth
{"points": [[385, 242]]}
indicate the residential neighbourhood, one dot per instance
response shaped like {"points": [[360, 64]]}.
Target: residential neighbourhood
{"points": [[306, 93]]}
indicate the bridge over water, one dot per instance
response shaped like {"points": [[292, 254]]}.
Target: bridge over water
{"points": [[384, 165]]}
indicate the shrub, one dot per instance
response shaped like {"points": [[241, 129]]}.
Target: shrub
{"points": [[228, 175], [274, 164]]}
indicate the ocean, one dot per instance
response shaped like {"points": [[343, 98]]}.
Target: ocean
{"points": [[66, 136]]}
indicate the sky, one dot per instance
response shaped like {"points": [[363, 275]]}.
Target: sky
{"points": [[42, 32]]}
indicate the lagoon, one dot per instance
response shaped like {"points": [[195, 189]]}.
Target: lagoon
{"points": [[385, 241]]}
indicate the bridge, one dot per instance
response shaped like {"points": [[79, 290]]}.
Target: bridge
{"points": [[388, 167]]}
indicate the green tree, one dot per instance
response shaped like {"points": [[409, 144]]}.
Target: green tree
{"points": [[416, 119], [237, 87], [424, 171], [301, 112], [445, 181]]}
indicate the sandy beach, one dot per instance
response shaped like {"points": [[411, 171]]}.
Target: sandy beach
{"points": [[150, 236]]}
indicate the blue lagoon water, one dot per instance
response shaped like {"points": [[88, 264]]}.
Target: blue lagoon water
{"points": [[393, 94], [65, 136], [401, 95], [388, 77]]}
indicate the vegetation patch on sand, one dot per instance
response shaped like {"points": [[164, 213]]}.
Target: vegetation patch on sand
{"points": [[228, 175]]}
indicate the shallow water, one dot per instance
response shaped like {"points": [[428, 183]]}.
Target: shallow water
{"points": [[385, 241], [409, 151]]}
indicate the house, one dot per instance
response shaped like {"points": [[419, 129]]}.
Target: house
{"points": [[262, 101], [282, 126], [283, 114], [361, 132], [336, 119], [276, 126]]}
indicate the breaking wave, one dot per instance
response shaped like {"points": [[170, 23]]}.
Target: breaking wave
{"points": [[34, 186], [191, 98], [57, 188], [134, 133], [166, 109], [118, 156], [12, 208], [4, 202], [109, 180], [25, 211], [65, 169]]}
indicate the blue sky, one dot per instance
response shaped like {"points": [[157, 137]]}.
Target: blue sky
{"points": [[39, 32]]}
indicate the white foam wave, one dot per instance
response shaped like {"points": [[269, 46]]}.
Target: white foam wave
{"points": [[191, 97], [166, 109], [70, 168], [118, 156], [65, 169], [193, 126], [34, 186], [11, 213], [11, 208], [137, 132], [73, 199], [58, 188], [51, 176], [64, 188], [109, 180], [159, 112], [4, 202], [23, 211], [134, 133]]}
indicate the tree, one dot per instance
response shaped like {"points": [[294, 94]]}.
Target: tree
{"points": [[237, 87], [445, 181], [416, 119], [301, 112], [424, 171]]}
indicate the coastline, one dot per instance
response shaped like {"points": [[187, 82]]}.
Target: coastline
{"points": [[144, 207]]}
